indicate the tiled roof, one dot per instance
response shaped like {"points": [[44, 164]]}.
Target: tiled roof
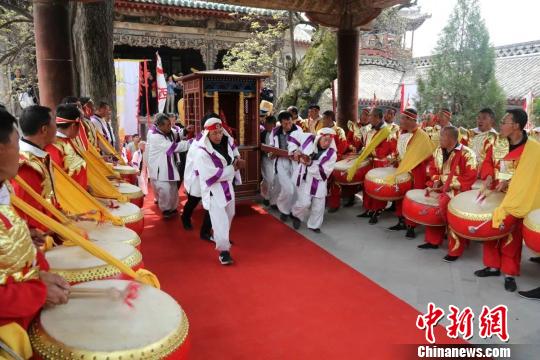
{"points": [[517, 69], [207, 5]]}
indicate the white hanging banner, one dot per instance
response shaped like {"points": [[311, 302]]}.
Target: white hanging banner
{"points": [[161, 85], [127, 96]]}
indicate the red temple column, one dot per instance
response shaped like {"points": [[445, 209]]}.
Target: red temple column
{"points": [[53, 51], [347, 68]]}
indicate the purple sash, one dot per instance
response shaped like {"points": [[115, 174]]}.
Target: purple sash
{"points": [[212, 180]]}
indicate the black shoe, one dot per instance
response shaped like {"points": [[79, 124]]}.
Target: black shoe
{"points": [[349, 202], [273, 207], [225, 258], [450, 258], [332, 210], [410, 232], [167, 214], [283, 217], [187, 224], [374, 218], [427, 246], [392, 207], [510, 284], [485, 272], [296, 222], [266, 202], [535, 259], [366, 214], [173, 211], [533, 294], [155, 201], [399, 226], [207, 237], [317, 230]]}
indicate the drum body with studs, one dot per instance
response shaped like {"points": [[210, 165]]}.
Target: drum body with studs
{"points": [[127, 173], [131, 214], [471, 218], [100, 327], [423, 209], [342, 166], [76, 265], [107, 231], [531, 230], [377, 188]]}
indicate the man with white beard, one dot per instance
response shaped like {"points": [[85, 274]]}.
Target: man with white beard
{"points": [[162, 146], [218, 169], [285, 137]]}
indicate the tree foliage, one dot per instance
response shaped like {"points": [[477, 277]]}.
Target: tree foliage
{"points": [[462, 76], [261, 52]]}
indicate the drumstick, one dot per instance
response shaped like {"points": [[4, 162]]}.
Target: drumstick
{"points": [[130, 293], [473, 229]]}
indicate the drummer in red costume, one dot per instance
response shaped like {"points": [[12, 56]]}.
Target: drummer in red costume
{"points": [[502, 158], [421, 150], [25, 284], [358, 130], [452, 170], [39, 130], [64, 152], [382, 156]]}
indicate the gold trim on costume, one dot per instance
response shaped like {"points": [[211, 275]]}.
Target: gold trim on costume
{"points": [[97, 272], [52, 349]]}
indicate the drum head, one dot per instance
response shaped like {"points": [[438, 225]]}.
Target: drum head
{"points": [[465, 202], [98, 232], [125, 169], [126, 188], [419, 196], [74, 257], [94, 325], [346, 164], [377, 175], [533, 218]]}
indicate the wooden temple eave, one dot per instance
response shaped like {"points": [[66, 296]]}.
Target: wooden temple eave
{"points": [[192, 12]]}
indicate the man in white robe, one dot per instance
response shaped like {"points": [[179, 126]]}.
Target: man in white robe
{"points": [[162, 146], [285, 137], [218, 167], [138, 161], [312, 191]]}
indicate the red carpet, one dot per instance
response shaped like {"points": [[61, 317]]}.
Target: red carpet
{"points": [[285, 298]]}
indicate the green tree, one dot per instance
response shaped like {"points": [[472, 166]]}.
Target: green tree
{"points": [[462, 76]]}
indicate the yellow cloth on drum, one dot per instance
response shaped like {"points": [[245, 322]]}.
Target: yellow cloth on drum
{"points": [[523, 193], [107, 145], [50, 208], [419, 149], [141, 275], [75, 200], [92, 156], [377, 139], [99, 184], [16, 339]]}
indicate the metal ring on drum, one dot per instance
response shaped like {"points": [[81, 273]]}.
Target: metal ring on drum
{"points": [[472, 219], [127, 173], [106, 231], [377, 188], [422, 209], [531, 231], [131, 214], [102, 327], [76, 265]]}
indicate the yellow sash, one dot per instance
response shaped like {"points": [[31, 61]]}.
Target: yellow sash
{"points": [[92, 156], [523, 193], [16, 339], [419, 149], [107, 145], [141, 275], [381, 135], [73, 199]]}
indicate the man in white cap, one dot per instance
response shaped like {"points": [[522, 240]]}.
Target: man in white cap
{"points": [[162, 146], [313, 189], [286, 137], [218, 166]]}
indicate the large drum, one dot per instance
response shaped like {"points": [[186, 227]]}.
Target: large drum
{"points": [[100, 327], [377, 188], [423, 209], [471, 219], [342, 166], [531, 230], [106, 231], [133, 193], [77, 265], [127, 173], [131, 214]]}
